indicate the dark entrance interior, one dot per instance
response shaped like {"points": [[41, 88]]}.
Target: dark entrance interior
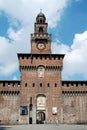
{"points": [[40, 117], [30, 120]]}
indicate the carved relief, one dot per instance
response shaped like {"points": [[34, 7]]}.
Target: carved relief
{"points": [[41, 103], [41, 71]]}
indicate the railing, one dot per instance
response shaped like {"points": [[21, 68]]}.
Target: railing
{"points": [[41, 36]]}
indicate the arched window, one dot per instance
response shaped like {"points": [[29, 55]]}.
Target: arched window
{"points": [[40, 30], [48, 85], [41, 21], [40, 84], [25, 84]]}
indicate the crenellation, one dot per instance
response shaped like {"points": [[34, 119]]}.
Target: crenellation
{"points": [[75, 84], [9, 83], [42, 59], [9, 92], [47, 68], [74, 92]]}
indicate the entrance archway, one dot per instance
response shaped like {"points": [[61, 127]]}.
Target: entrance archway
{"points": [[40, 117]]}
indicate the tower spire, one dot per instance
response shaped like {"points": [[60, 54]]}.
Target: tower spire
{"points": [[40, 10]]}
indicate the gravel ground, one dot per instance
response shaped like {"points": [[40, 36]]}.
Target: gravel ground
{"points": [[43, 127]]}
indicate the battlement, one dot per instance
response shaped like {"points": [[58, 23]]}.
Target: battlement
{"points": [[8, 87], [74, 87]]}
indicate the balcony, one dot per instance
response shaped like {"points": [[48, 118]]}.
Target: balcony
{"points": [[41, 36]]}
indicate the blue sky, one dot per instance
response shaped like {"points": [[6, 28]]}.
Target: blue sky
{"points": [[73, 21], [67, 20]]}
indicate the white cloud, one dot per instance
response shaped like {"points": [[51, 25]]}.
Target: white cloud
{"points": [[8, 69], [26, 11], [15, 35], [59, 48], [75, 61], [8, 60]]}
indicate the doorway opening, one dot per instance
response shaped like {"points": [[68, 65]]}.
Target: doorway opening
{"points": [[40, 117]]}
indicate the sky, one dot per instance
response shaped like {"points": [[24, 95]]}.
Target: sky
{"points": [[67, 22]]}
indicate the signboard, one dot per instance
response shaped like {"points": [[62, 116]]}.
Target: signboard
{"points": [[54, 110]]}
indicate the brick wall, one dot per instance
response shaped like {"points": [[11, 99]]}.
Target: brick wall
{"points": [[74, 94], [9, 102], [49, 85]]}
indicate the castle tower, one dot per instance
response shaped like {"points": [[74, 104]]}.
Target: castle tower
{"points": [[40, 98], [40, 40]]}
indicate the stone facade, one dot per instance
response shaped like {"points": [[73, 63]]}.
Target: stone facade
{"points": [[41, 95]]}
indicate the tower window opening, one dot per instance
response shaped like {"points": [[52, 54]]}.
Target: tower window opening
{"points": [[33, 85], [41, 21], [40, 84], [48, 85], [55, 84], [38, 21], [3, 84], [25, 84], [40, 30]]}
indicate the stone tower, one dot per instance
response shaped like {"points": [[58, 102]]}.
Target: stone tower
{"points": [[41, 95], [40, 98], [40, 40]]}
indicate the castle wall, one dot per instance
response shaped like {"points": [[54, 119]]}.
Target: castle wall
{"points": [[9, 102], [74, 102], [75, 108]]}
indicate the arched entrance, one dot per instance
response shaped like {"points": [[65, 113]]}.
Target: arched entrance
{"points": [[40, 117], [41, 109]]}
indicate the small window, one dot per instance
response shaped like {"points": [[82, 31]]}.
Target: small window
{"points": [[41, 21], [3, 84], [25, 84], [55, 84], [40, 84], [48, 85], [33, 85]]}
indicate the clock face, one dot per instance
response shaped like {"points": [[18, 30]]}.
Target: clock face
{"points": [[41, 46]]}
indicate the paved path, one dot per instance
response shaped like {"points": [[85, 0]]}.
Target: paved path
{"points": [[44, 127]]}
